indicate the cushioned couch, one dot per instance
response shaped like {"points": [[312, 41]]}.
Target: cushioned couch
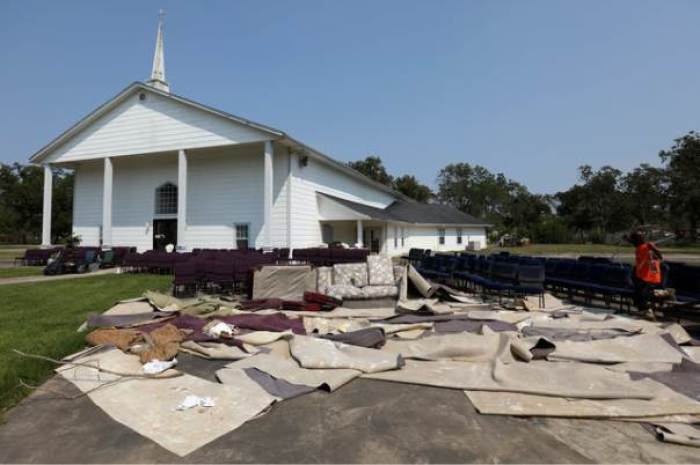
{"points": [[377, 278]]}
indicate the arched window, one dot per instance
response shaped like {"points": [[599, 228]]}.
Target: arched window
{"points": [[166, 199]]}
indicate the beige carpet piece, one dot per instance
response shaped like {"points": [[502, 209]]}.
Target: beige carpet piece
{"points": [[531, 303], [164, 302], [643, 348], [640, 367], [410, 334], [289, 370], [425, 306], [311, 352], [421, 284], [500, 315], [466, 300], [400, 328], [334, 325], [693, 353], [135, 306], [213, 350], [148, 405], [259, 338], [665, 402], [587, 321], [678, 332], [686, 419], [542, 378], [676, 433], [582, 322], [130, 308], [378, 313], [283, 282], [465, 347]]}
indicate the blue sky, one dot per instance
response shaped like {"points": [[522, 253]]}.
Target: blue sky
{"points": [[529, 88]]}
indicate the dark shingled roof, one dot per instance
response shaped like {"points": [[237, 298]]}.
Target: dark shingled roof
{"points": [[413, 212]]}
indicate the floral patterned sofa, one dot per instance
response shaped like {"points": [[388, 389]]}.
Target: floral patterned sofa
{"points": [[377, 278]]}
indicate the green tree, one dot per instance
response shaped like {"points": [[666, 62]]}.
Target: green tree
{"points": [[596, 205], [551, 230], [501, 201], [62, 209], [21, 203], [473, 189], [373, 167], [409, 186], [524, 210], [574, 210], [645, 188], [682, 163]]}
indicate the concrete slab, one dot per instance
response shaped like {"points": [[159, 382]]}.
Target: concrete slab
{"points": [[365, 421]]}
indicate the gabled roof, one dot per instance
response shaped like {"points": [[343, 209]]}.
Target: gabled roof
{"points": [[275, 134], [410, 211]]}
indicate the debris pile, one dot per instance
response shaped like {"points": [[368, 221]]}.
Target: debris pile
{"points": [[509, 357]]}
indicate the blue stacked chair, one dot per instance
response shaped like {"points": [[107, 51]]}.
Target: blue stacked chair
{"points": [[531, 281], [461, 271], [414, 255], [587, 277], [425, 265], [685, 279], [559, 274]]}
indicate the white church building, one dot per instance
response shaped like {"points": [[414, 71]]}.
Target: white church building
{"points": [[153, 168]]}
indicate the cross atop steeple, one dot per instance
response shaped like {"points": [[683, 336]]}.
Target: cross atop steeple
{"points": [[158, 72]]}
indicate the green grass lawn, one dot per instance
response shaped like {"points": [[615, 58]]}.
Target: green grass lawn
{"points": [[589, 249], [10, 252], [42, 318], [18, 271]]}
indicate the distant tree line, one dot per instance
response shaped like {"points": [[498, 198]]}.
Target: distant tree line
{"points": [[21, 204], [602, 205]]}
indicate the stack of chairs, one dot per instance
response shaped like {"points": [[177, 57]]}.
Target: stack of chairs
{"points": [[78, 259], [415, 255], [220, 271], [153, 261], [592, 279], [328, 256], [501, 274], [438, 267], [114, 256], [36, 257], [685, 279]]}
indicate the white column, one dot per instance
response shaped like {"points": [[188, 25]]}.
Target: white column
{"points": [[181, 198], [46, 219], [290, 177], [107, 202], [359, 242], [385, 237], [267, 196]]}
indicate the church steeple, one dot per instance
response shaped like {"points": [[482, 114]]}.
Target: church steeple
{"points": [[158, 72]]}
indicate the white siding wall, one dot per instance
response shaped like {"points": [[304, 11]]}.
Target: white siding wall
{"points": [[225, 187], [87, 202], [477, 235], [315, 177], [156, 124], [426, 237], [133, 197], [280, 166], [395, 247]]}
